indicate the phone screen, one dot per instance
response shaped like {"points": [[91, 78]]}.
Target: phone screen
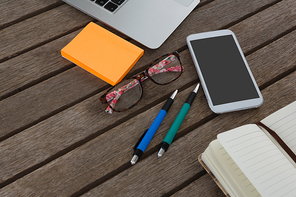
{"points": [[223, 69]]}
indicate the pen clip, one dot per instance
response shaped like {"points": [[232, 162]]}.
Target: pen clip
{"points": [[138, 142]]}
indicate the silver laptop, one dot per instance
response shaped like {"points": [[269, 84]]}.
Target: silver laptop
{"points": [[150, 22]]}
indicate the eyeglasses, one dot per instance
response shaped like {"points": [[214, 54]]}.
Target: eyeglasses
{"points": [[129, 92]]}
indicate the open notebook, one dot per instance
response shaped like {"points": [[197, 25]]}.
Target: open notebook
{"points": [[248, 161]]}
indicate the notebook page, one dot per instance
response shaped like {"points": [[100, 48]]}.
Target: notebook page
{"points": [[262, 162], [233, 171], [283, 122], [211, 163]]}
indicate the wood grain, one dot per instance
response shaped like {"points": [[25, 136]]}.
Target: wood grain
{"points": [[10, 10], [266, 25], [33, 66], [40, 29], [156, 176], [76, 123], [43, 61], [109, 159], [204, 186], [28, 103], [56, 139]]}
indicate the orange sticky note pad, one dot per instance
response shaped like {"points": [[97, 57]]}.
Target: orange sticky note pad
{"points": [[102, 53]]}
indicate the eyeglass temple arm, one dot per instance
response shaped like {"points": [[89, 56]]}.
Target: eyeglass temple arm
{"points": [[159, 67], [170, 69], [123, 89]]}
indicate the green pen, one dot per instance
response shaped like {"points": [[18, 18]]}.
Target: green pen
{"points": [[177, 123]]}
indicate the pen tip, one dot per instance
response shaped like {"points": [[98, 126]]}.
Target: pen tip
{"points": [[134, 160], [174, 94], [160, 153], [196, 88]]}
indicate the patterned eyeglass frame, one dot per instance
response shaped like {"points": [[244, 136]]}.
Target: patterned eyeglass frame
{"points": [[156, 69]]}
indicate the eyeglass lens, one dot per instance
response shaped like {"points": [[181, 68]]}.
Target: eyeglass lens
{"points": [[128, 92], [124, 94], [165, 70]]}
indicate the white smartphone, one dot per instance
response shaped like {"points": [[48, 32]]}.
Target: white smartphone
{"points": [[223, 71]]}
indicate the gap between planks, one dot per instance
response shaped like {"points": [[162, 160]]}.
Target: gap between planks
{"points": [[155, 149], [48, 76], [286, 73], [32, 14], [48, 41]]}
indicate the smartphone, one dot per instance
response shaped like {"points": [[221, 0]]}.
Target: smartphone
{"points": [[224, 73]]}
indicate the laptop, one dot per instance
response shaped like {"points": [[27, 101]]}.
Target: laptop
{"points": [[149, 22]]}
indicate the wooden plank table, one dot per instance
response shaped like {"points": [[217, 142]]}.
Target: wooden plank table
{"points": [[56, 139]]}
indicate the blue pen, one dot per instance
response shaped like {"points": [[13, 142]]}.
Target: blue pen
{"points": [[140, 149]]}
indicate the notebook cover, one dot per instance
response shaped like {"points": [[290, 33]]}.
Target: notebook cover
{"points": [[102, 53], [212, 175]]}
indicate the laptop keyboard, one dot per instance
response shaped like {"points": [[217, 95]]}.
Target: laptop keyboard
{"points": [[110, 5]]}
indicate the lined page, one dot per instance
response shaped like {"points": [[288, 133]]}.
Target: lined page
{"points": [[233, 171], [283, 122], [262, 162]]}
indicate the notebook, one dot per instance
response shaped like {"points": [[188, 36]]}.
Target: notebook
{"points": [[149, 22], [256, 159]]}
